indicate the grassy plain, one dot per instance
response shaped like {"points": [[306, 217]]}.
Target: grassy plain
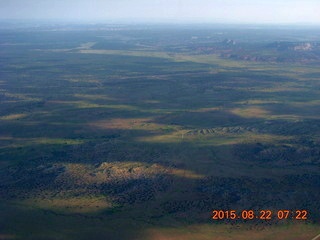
{"points": [[134, 134]]}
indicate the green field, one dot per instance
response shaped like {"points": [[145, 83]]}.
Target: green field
{"points": [[139, 132]]}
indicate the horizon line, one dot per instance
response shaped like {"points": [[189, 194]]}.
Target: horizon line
{"points": [[159, 21]]}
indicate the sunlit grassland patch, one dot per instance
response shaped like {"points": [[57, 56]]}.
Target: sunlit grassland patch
{"points": [[58, 141], [280, 89], [94, 97], [284, 89], [306, 103], [82, 46], [293, 71], [106, 172], [20, 97], [284, 69], [208, 109], [146, 124], [152, 101], [210, 59], [173, 137], [231, 139], [292, 111], [205, 59], [258, 102], [83, 104], [13, 116], [128, 53], [302, 72], [251, 112], [11, 142], [78, 80], [68, 204], [86, 45], [213, 139], [87, 104]]}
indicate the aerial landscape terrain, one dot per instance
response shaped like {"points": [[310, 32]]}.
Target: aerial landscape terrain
{"points": [[140, 132]]}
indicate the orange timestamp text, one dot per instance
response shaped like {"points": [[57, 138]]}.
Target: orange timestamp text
{"points": [[260, 215]]}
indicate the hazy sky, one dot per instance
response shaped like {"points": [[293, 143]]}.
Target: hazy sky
{"points": [[239, 11]]}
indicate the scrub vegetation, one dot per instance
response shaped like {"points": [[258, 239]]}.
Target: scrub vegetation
{"points": [[139, 132]]}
